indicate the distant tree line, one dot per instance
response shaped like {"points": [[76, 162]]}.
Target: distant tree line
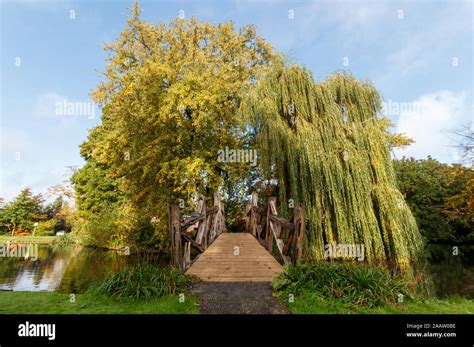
{"points": [[19, 216], [441, 196]]}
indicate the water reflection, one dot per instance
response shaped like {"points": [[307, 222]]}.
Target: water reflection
{"points": [[73, 269], [69, 270]]}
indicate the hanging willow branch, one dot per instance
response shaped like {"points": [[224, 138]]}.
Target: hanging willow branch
{"points": [[325, 146]]}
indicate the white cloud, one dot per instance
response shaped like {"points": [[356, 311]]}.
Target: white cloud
{"points": [[312, 21], [417, 47], [46, 104], [411, 56], [52, 105], [430, 125]]}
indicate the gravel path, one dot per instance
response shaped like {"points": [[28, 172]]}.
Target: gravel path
{"points": [[237, 298]]}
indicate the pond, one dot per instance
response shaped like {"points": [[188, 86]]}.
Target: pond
{"points": [[452, 269], [73, 269], [43, 267]]}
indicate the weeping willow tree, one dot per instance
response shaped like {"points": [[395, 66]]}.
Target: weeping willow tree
{"points": [[325, 146]]}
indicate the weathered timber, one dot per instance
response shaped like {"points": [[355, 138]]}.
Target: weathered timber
{"points": [[288, 234], [198, 230], [236, 257]]}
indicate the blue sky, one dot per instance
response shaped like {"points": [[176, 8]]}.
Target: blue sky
{"points": [[417, 53]]}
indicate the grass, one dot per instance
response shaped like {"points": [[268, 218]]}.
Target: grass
{"points": [[310, 303], [59, 303], [325, 288], [141, 289]]}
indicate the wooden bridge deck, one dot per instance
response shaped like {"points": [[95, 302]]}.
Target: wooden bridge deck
{"points": [[236, 257]]}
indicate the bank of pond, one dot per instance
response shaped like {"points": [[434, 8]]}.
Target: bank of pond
{"points": [[52, 278]]}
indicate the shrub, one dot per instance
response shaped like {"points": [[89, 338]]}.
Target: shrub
{"points": [[46, 228], [144, 281], [98, 229], [63, 241], [353, 284]]}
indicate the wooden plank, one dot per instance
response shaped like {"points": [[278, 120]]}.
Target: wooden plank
{"points": [[219, 263], [282, 222], [188, 238], [192, 219]]}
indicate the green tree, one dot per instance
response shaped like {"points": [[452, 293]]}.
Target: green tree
{"points": [[169, 105], [440, 196], [22, 212], [94, 189]]}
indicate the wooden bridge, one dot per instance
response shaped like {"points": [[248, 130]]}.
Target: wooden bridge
{"points": [[201, 246]]}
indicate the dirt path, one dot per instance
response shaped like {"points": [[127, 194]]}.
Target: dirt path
{"points": [[237, 298]]}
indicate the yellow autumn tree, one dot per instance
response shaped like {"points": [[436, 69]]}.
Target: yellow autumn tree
{"points": [[168, 99]]}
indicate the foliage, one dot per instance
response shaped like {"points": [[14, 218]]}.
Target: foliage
{"points": [[94, 188], [169, 99], [99, 229], [441, 197], [451, 273], [323, 144], [62, 241], [26, 209], [27, 239], [46, 228], [395, 140], [60, 213], [22, 212], [143, 281], [347, 283]]}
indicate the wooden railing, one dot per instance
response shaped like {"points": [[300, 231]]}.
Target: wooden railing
{"points": [[265, 224], [197, 230]]}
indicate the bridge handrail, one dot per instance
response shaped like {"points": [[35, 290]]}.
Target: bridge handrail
{"points": [[197, 230], [274, 228]]}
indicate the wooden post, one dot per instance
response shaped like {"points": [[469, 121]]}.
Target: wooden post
{"points": [[214, 222], [175, 235], [253, 214], [217, 227], [222, 213], [299, 233], [248, 210], [187, 255], [202, 233], [289, 238], [271, 210]]}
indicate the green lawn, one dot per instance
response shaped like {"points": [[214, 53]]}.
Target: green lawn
{"points": [[311, 304], [51, 303], [27, 239]]}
